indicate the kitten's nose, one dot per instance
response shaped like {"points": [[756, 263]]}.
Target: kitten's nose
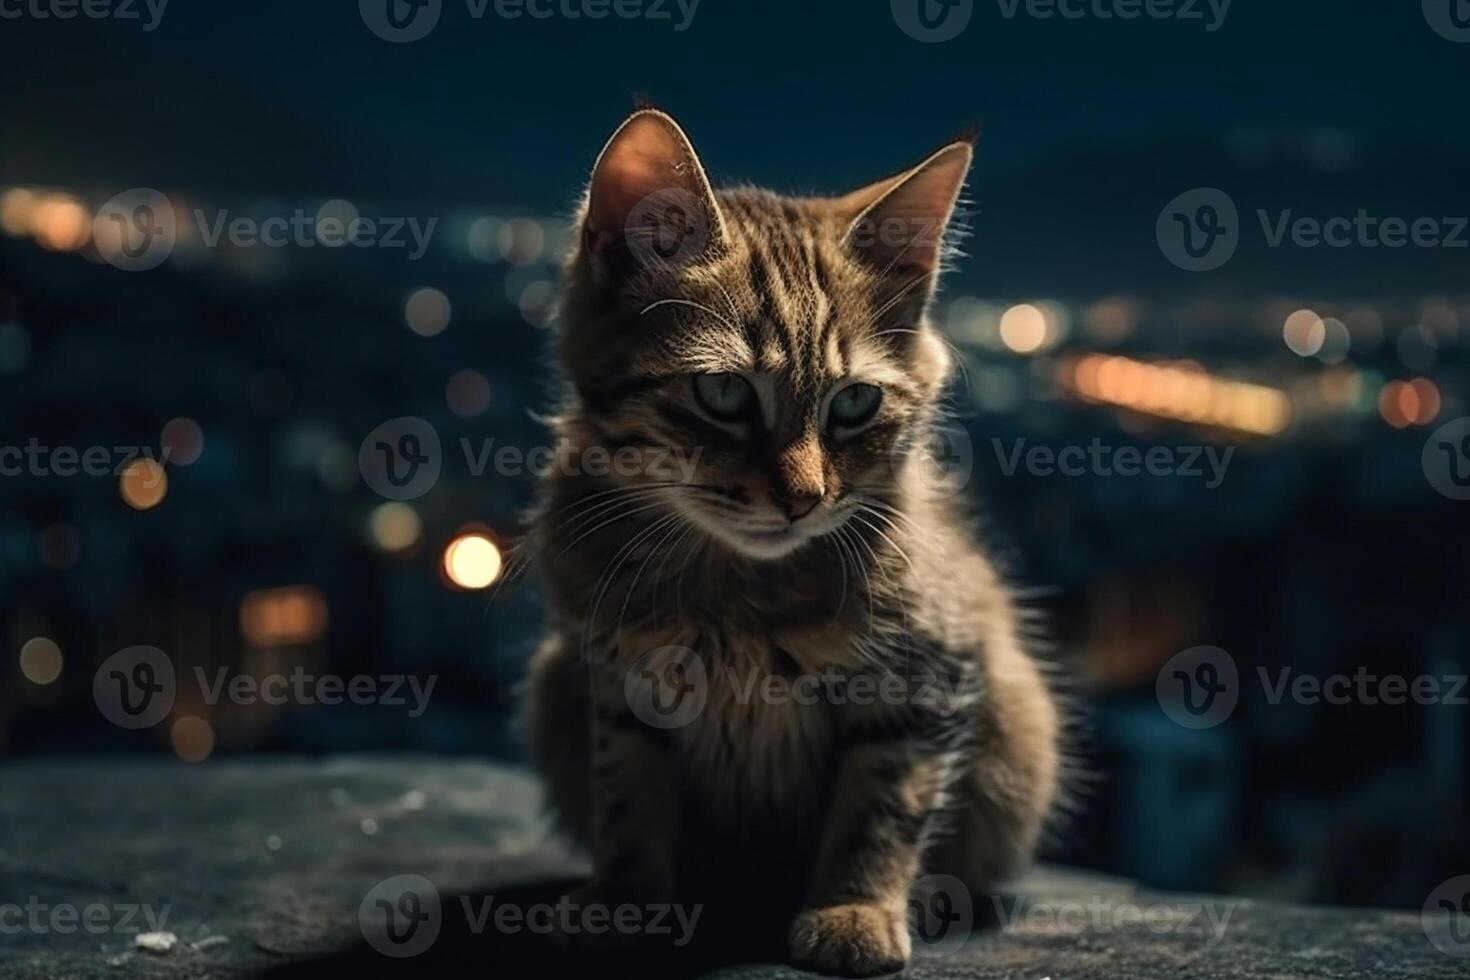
{"points": [[799, 505]]}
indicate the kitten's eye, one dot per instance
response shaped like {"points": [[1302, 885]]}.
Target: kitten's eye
{"points": [[725, 396], [855, 404]]}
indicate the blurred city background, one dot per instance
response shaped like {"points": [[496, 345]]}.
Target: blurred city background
{"points": [[256, 545]]}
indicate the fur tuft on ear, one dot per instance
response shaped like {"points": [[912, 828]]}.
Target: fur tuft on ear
{"points": [[648, 188], [904, 219]]}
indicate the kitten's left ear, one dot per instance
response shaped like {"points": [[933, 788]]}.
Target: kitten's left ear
{"points": [[649, 198], [901, 221]]}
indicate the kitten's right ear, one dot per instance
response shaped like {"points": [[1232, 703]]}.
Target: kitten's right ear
{"points": [[650, 200]]}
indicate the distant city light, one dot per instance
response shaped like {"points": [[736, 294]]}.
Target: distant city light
{"points": [[61, 223], [40, 661], [1417, 347], [1023, 328], [472, 561], [395, 527], [468, 393], [1406, 403], [17, 207], [1112, 320], [286, 616], [143, 484], [427, 311], [184, 441], [334, 222], [1183, 391], [1336, 341], [1304, 333], [192, 738], [483, 239], [522, 241]]}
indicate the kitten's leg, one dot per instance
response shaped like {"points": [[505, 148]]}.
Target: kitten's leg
{"points": [[609, 780], [1011, 780], [856, 922]]}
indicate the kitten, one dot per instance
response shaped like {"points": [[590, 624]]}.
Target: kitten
{"points": [[769, 548]]}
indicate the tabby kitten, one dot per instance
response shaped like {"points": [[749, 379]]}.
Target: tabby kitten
{"points": [[766, 371]]}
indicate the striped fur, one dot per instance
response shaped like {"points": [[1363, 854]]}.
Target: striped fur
{"points": [[826, 806]]}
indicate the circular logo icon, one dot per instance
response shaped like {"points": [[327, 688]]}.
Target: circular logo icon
{"points": [[1198, 687], [944, 460], [941, 915], [400, 21], [1446, 917], [136, 230], [1449, 18], [401, 458], [932, 21], [135, 688], [668, 228], [401, 916], [667, 687], [1199, 230], [1446, 459]]}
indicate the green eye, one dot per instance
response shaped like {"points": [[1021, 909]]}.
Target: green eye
{"points": [[855, 404], [725, 396]]}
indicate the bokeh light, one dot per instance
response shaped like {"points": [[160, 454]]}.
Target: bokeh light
{"points": [[468, 393], [472, 561], [395, 527], [183, 440], [427, 311], [40, 660], [192, 738], [143, 484]]}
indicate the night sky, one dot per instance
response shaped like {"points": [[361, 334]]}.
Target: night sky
{"points": [[293, 97]]}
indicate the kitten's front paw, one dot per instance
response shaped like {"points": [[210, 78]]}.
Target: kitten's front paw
{"points": [[851, 940]]}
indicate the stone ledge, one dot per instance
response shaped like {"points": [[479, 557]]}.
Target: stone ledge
{"points": [[261, 865]]}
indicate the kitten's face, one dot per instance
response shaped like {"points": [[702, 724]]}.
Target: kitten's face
{"points": [[789, 371]]}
